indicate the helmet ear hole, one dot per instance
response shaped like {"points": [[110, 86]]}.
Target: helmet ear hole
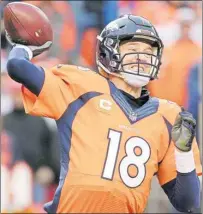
{"points": [[115, 57], [102, 55]]}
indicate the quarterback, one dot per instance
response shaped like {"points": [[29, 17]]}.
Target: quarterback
{"points": [[114, 137]]}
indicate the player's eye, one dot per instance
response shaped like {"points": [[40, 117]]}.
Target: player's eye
{"points": [[133, 50]]}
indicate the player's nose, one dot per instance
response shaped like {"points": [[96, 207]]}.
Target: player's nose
{"points": [[140, 60]]}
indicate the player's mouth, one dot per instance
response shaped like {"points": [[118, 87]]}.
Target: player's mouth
{"points": [[135, 68]]}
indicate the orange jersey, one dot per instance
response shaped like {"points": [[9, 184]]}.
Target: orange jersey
{"points": [[109, 152]]}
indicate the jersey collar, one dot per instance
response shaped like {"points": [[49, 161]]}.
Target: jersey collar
{"points": [[148, 106]]}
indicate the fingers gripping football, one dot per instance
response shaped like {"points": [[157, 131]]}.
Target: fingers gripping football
{"points": [[23, 30], [183, 131], [36, 50]]}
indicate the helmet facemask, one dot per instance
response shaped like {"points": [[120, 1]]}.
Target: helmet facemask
{"points": [[118, 65]]}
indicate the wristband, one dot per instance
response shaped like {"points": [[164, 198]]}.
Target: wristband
{"points": [[184, 161]]}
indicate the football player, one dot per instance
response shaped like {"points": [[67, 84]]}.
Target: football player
{"points": [[114, 137]]}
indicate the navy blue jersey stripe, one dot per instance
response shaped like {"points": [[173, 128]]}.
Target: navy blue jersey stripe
{"points": [[169, 128], [64, 125]]}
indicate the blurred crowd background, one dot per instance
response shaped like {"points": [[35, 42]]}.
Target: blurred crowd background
{"points": [[29, 145]]}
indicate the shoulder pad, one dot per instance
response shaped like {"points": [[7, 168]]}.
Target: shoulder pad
{"points": [[167, 108], [72, 67]]}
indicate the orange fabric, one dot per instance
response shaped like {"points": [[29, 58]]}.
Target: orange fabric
{"points": [[85, 189], [85, 170], [84, 176], [173, 76], [51, 101], [63, 84], [87, 199]]}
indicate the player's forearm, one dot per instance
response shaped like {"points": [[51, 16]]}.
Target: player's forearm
{"points": [[185, 194], [23, 71], [184, 191]]}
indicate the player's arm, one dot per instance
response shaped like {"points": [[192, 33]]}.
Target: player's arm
{"points": [[44, 93], [23, 71], [184, 191], [180, 166]]}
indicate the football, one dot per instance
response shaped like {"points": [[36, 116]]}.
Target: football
{"points": [[27, 24]]}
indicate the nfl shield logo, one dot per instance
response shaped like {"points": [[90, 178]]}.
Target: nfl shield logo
{"points": [[133, 116]]}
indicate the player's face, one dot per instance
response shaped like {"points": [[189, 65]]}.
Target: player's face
{"points": [[130, 61]]}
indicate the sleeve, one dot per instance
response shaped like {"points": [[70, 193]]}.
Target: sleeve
{"points": [[21, 70], [52, 100], [167, 166], [184, 191]]}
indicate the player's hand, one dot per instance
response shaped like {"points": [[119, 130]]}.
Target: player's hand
{"points": [[36, 50], [183, 131]]}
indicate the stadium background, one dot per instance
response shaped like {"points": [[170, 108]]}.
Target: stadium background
{"points": [[29, 145]]}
